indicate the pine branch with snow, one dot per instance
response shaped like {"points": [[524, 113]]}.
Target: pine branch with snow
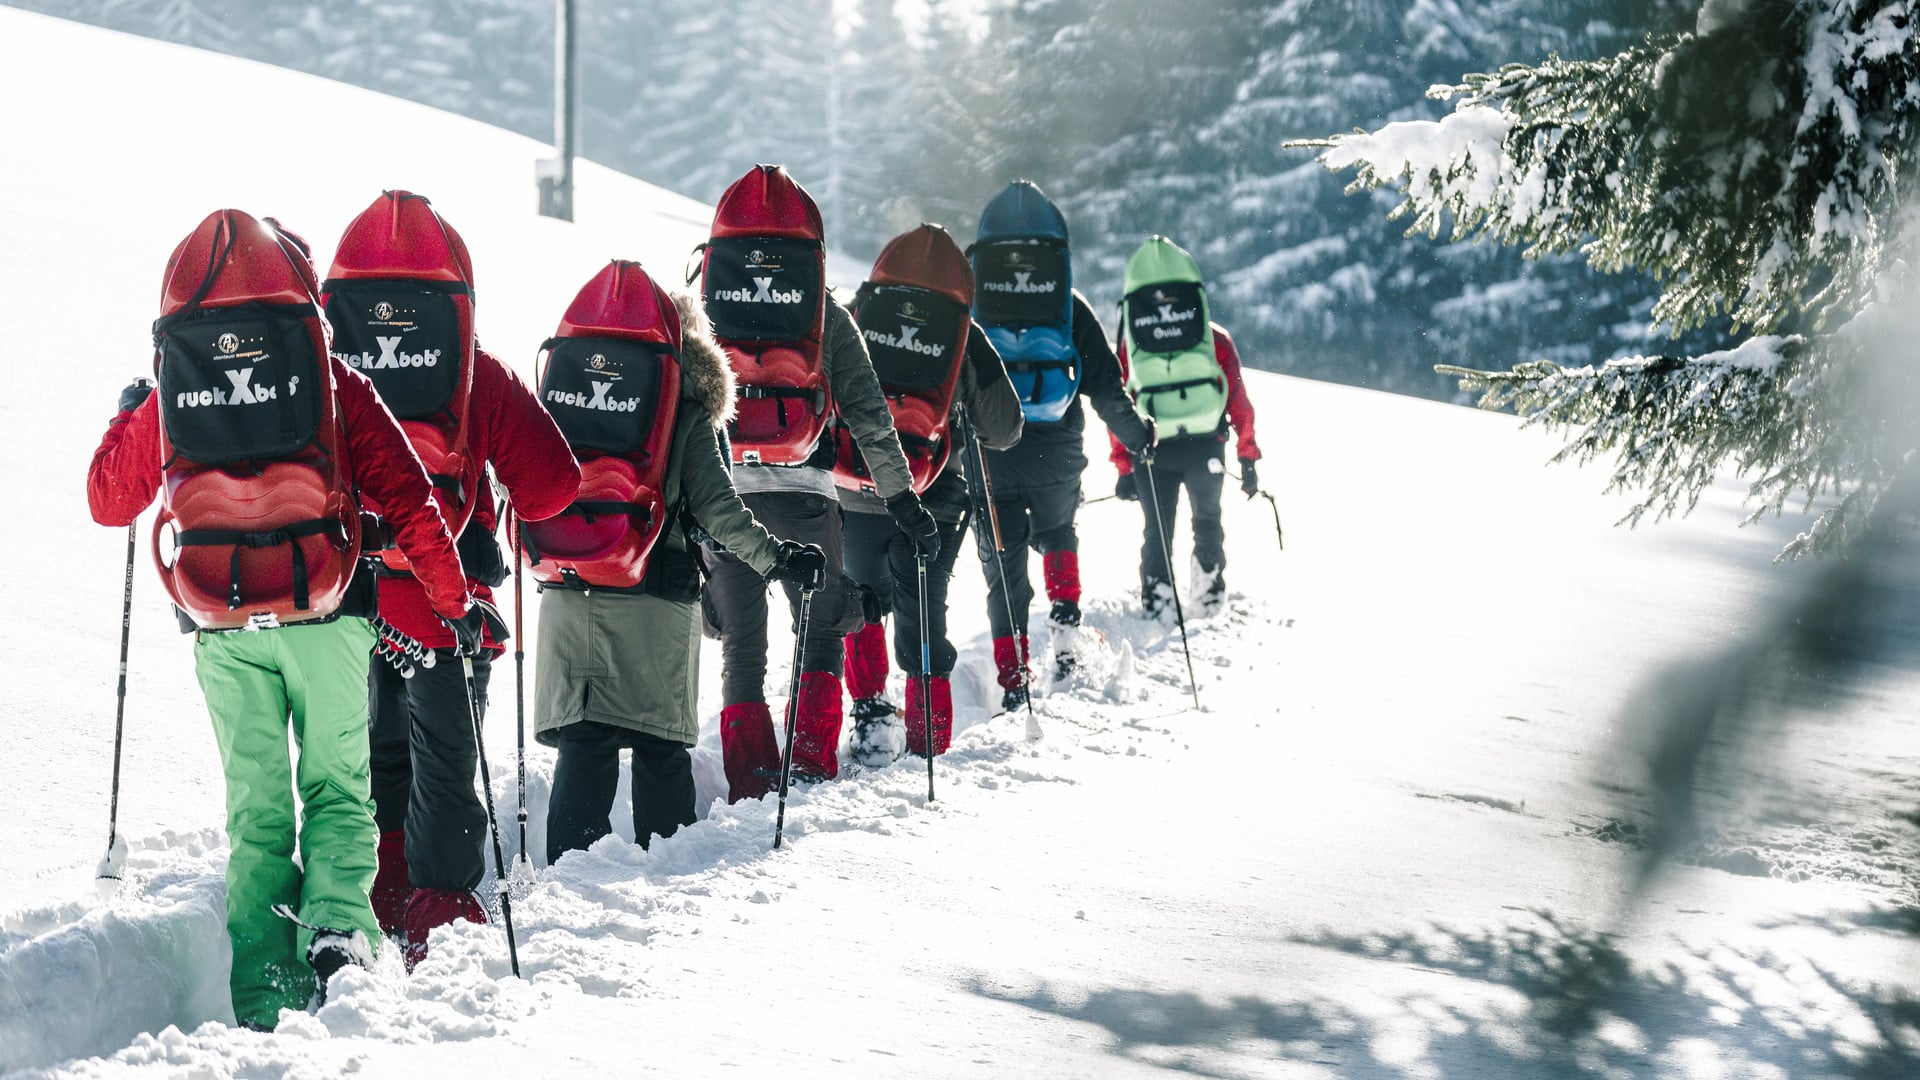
{"points": [[1760, 167]]}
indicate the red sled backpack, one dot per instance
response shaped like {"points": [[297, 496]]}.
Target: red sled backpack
{"points": [[611, 380], [764, 288], [914, 312], [255, 488], [400, 299]]}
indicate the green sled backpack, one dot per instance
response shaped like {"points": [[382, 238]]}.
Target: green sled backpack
{"points": [[1172, 371]]}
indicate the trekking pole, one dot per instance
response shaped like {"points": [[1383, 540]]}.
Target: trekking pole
{"points": [[1101, 499], [1034, 734], [109, 868], [926, 666], [1166, 553], [493, 823], [519, 690], [1275, 506], [793, 711]]}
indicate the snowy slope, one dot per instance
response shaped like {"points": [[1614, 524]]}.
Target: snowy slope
{"points": [[1386, 831]]}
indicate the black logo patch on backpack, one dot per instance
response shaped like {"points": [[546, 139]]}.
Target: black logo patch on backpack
{"points": [[1167, 317], [1020, 284], [404, 336], [762, 288], [911, 333], [240, 383], [603, 393]]}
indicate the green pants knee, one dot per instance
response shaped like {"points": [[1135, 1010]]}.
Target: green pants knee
{"points": [[258, 684]]}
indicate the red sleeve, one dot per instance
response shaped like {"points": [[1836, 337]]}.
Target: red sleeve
{"points": [[387, 472], [1122, 460], [1239, 408], [524, 445], [125, 474]]}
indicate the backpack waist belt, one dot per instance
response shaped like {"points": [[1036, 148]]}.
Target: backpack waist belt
{"points": [[1183, 386], [592, 508], [780, 394], [240, 538]]}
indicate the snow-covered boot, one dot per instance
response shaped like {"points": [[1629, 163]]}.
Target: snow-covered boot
{"points": [[1060, 571], [332, 950], [428, 908], [1209, 590], [748, 750], [391, 889], [918, 721], [866, 650], [877, 735], [816, 733], [1156, 600], [1064, 626]]}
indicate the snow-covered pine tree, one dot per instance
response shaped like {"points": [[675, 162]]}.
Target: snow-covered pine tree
{"points": [[1760, 165]]}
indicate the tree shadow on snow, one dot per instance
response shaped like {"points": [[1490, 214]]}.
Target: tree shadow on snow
{"points": [[1534, 998]]}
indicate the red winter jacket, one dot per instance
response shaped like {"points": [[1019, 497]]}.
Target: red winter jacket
{"points": [[125, 477], [1239, 409], [508, 428]]}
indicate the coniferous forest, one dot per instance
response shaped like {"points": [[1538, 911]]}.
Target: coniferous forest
{"points": [[1136, 117]]}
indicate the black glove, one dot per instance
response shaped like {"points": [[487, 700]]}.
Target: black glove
{"points": [[480, 554], [803, 564], [1249, 479], [469, 630], [1127, 489], [917, 523], [135, 393]]}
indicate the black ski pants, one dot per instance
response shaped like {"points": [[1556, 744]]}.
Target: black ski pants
{"points": [[881, 557], [588, 775], [421, 744], [1199, 465], [736, 596], [1034, 519]]}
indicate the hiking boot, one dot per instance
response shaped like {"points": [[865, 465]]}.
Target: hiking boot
{"points": [[877, 734], [330, 951], [1064, 613], [1015, 698], [1064, 624], [1209, 590], [1156, 600]]}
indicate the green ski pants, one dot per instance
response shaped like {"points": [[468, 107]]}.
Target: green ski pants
{"points": [[255, 682]]}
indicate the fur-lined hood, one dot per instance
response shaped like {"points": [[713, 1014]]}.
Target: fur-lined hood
{"points": [[706, 375]]}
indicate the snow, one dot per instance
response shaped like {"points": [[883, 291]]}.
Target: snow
{"points": [[1395, 840], [1461, 155]]}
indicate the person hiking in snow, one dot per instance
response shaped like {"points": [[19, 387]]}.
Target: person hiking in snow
{"points": [[1056, 352], [921, 283], [399, 297], [1183, 370], [256, 442], [618, 658], [793, 371]]}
